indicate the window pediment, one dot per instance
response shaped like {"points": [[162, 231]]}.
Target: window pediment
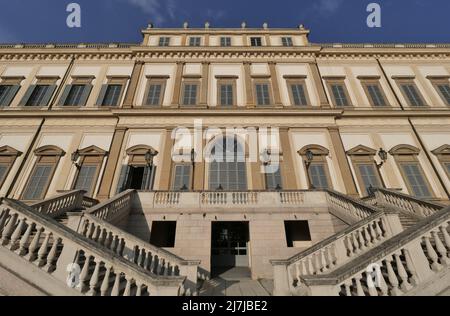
{"points": [[140, 150], [49, 150], [361, 150], [404, 150], [92, 151], [9, 151], [441, 151], [317, 150]]}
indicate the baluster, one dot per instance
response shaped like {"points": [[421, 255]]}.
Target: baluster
{"points": [[359, 288], [323, 263], [102, 238], [84, 273], [368, 236], [446, 235], [120, 247], [8, 229], [24, 240], [395, 291], [109, 240], [141, 258], [16, 235], [371, 285], [362, 243], [138, 289], [372, 233], [97, 232], [347, 285], [148, 261], [405, 286], [52, 255], [435, 266], [105, 284], [166, 267], [4, 216], [349, 244], [127, 291], [378, 230], [382, 283], [355, 243], [91, 231], [43, 250], [34, 244], [116, 288], [441, 249], [114, 244], [94, 278], [411, 268]]}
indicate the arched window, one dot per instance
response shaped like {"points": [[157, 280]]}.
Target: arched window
{"points": [[411, 170], [366, 170], [443, 154], [315, 158], [41, 176], [227, 168], [139, 174], [8, 156]]}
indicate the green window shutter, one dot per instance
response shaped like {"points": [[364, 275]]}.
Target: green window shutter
{"points": [[101, 96], [85, 95], [63, 97], [48, 95], [27, 95], [6, 101]]}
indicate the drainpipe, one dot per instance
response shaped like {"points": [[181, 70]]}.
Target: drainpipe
{"points": [[441, 181]]}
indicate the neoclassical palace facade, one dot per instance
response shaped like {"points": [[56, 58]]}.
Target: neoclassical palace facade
{"points": [[234, 147]]}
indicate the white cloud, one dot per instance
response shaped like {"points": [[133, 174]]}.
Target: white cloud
{"points": [[328, 7], [158, 10]]}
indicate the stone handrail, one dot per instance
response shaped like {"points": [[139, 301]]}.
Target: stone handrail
{"points": [[406, 203], [53, 247], [211, 199], [60, 204], [347, 208], [402, 263], [334, 251], [114, 208], [89, 202], [149, 257]]}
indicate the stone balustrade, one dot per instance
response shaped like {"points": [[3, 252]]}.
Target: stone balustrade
{"points": [[114, 209], [53, 247], [60, 204], [347, 208], [89, 202], [227, 199], [153, 259], [400, 265], [334, 251], [406, 203]]}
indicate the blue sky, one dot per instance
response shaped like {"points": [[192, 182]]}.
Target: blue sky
{"points": [[41, 21]]}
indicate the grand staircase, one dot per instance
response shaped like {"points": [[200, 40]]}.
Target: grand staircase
{"points": [[65, 246], [72, 245], [397, 245]]}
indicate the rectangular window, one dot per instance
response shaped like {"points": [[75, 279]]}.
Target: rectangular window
{"points": [[411, 94], [273, 180], [38, 183], [442, 87], [375, 93], [163, 234], [112, 95], [182, 177], [164, 41], [369, 176], [38, 95], [225, 41], [75, 95], [190, 94], [339, 94], [318, 176], [255, 41], [298, 94], [226, 94], [86, 178], [4, 168], [298, 234], [415, 179], [5, 90], [287, 41], [447, 168], [195, 41], [262, 94]]}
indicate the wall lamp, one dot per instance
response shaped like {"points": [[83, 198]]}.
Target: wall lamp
{"points": [[309, 157], [383, 156], [74, 157], [150, 156]]}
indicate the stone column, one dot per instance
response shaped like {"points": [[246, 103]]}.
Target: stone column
{"points": [[248, 85], [287, 165], [281, 280], [323, 99], [341, 157], [111, 164], [177, 86], [166, 162], [205, 84], [276, 86], [132, 87]]}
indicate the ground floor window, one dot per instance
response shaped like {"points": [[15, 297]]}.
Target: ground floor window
{"points": [[163, 234], [297, 234]]}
